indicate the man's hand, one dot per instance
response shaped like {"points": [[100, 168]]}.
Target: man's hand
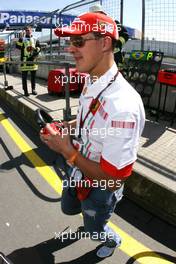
{"points": [[57, 141]]}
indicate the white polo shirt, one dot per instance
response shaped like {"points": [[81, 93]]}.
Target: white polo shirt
{"points": [[111, 134]]}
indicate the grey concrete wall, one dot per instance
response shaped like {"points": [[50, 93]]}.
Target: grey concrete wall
{"points": [[152, 196]]}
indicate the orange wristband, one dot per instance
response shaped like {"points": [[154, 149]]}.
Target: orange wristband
{"points": [[72, 159]]}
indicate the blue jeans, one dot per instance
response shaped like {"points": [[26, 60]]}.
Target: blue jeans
{"points": [[97, 209]]}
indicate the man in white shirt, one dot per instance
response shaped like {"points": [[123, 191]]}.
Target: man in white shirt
{"points": [[109, 123]]}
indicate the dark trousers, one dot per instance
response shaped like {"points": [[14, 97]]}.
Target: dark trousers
{"points": [[96, 209], [24, 80]]}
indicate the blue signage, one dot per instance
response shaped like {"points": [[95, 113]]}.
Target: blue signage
{"points": [[42, 19]]}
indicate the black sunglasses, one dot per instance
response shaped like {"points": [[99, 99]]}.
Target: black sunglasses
{"points": [[79, 42]]}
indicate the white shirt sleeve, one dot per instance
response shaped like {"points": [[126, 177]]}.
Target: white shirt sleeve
{"points": [[121, 142]]}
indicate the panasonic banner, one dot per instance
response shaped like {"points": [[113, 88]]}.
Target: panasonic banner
{"points": [[16, 19]]}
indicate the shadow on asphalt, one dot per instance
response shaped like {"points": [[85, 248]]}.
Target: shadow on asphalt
{"points": [[43, 253], [15, 163], [150, 254]]}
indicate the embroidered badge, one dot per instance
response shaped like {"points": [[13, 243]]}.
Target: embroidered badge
{"points": [[94, 106]]}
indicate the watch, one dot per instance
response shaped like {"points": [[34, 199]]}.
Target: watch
{"points": [[72, 159]]}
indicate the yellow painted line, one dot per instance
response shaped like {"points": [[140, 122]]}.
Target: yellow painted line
{"points": [[133, 248], [45, 171], [130, 246]]}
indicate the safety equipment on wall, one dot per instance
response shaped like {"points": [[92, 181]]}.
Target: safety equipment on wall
{"points": [[141, 71]]}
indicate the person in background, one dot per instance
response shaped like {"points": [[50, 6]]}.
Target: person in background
{"points": [[30, 49], [123, 34], [109, 123]]}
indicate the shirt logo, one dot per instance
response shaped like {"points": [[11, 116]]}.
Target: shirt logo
{"points": [[94, 106], [123, 124]]}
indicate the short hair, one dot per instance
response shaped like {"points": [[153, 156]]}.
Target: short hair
{"points": [[27, 27], [99, 35]]}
